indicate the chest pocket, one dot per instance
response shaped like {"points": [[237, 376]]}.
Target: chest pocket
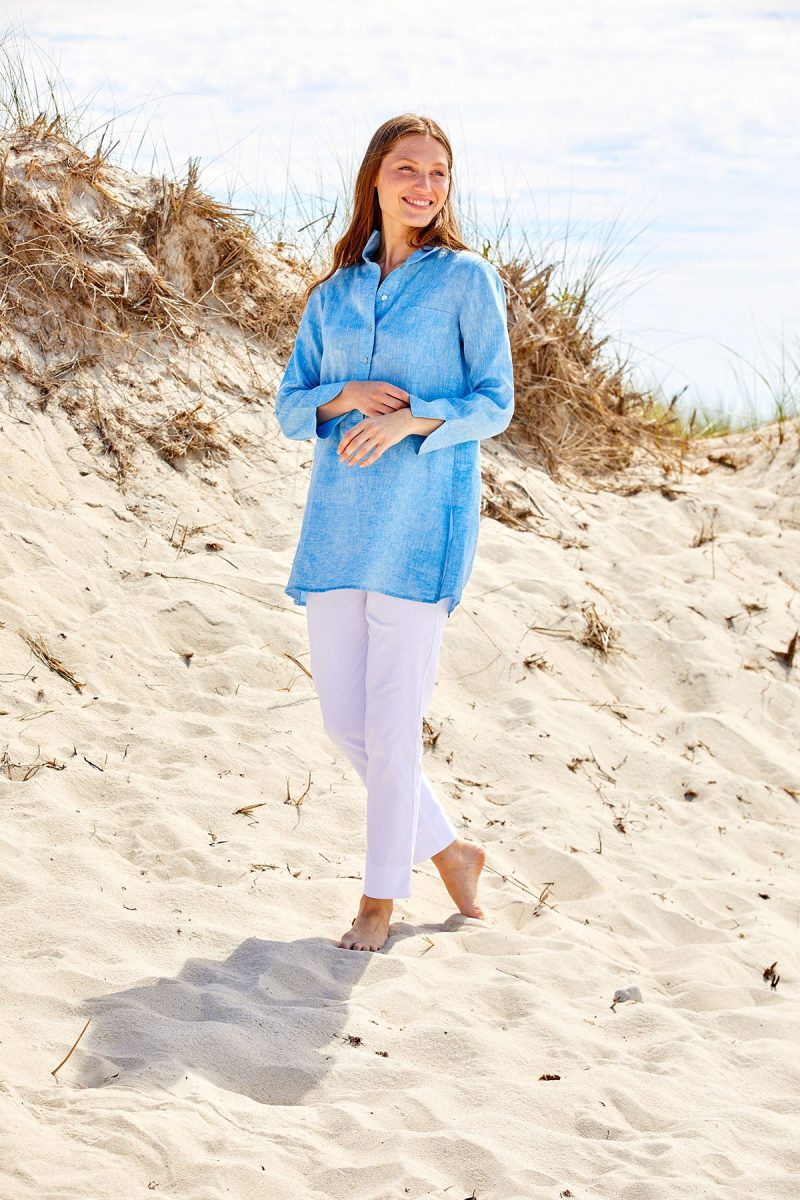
{"points": [[421, 332]]}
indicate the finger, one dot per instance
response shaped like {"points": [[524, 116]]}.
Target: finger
{"points": [[368, 456], [361, 450], [352, 450], [354, 430]]}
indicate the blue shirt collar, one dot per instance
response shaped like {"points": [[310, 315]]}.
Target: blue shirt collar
{"points": [[374, 240]]}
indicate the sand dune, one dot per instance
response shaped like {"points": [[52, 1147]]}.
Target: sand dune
{"points": [[639, 808]]}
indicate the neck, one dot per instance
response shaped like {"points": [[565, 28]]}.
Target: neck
{"points": [[394, 248]]}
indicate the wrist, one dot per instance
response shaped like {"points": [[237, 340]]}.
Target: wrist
{"points": [[422, 425], [345, 399]]}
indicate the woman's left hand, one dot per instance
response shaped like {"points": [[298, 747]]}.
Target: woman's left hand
{"points": [[365, 442]]}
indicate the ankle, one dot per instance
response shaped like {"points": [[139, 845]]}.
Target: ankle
{"points": [[375, 904]]}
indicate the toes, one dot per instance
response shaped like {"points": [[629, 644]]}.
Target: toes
{"points": [[351, 941]]}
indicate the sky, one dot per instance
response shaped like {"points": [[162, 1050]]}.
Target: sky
{"points": [[658, 141]]}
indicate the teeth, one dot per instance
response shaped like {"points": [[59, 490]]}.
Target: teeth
{"points": [[418, 203]]}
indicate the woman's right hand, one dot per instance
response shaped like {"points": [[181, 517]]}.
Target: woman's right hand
{"points": [[374, 397]]}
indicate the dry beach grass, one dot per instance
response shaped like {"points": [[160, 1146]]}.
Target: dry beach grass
{"points": [[102, 270]]}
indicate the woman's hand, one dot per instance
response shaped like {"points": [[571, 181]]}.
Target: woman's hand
{"points": [[367, 440], [374, 397]]}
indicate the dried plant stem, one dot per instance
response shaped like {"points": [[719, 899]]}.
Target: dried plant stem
{"points": [[46, 656], [66, 1056]]}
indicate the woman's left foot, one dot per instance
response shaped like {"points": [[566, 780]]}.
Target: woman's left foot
{"points": [[460, 865]]}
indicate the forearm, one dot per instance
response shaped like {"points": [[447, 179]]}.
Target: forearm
{"points": [[343, 403]]}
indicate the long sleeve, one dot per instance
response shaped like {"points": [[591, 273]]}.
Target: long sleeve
{"points": [[300, 393], [488, 407]]}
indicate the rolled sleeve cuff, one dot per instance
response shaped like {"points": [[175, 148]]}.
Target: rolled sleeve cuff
{"points": [[483, 418], [297, 412], [434, 410]]}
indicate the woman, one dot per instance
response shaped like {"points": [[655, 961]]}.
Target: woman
{"points": [[402, 352]]}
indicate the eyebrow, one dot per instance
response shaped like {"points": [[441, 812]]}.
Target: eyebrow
{"points": [[408, 158]]}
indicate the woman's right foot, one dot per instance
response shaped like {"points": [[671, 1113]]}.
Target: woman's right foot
{"points": [[370, 928]]}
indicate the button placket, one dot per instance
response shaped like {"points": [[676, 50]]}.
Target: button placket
{"points": [[381, 296]]}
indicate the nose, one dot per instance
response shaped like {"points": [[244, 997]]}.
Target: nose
{"points": [[423, 182]]}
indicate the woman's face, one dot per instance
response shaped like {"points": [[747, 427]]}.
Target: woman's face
{"points": [[414, 169]]}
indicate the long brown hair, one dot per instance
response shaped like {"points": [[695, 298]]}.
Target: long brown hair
{"points": [[443, 230]]}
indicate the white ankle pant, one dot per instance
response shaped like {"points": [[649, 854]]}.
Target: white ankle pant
{"points": [[373, 659]]}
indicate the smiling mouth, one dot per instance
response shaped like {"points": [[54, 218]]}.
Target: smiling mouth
{"points": [[418, 203]]}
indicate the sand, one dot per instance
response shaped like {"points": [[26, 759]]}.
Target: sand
{"points": [[639, 810], [182, 846]]}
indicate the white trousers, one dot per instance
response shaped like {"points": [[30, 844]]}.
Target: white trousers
{"points": [[373, 660]]}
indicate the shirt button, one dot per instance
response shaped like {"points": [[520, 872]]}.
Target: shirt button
{"points": [[384, 297], [366, 358]]}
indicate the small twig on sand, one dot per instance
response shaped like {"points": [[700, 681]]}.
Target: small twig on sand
{"points": [[298, 664], [49, 659], [542, 896], [214, 583], [74, 1044], [299, 799]]}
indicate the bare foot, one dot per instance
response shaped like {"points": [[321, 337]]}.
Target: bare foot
{"points": [[370, 928], [459, 865]]}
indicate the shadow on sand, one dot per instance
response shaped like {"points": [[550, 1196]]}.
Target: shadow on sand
{"points": [[256, 1024]]}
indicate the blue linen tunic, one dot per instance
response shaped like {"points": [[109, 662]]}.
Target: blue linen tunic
{"points": [[406, 525]]}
